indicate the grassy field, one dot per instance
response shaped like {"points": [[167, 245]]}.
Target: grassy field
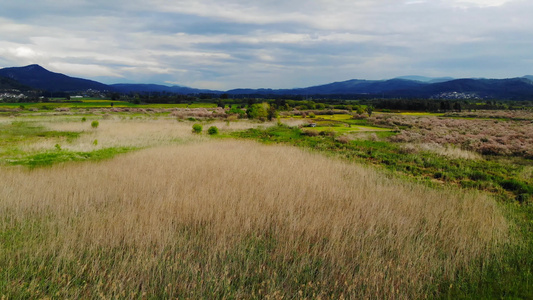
{"points": [[93, 103], [143, 208]]}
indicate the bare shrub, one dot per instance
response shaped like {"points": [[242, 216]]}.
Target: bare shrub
{"points": [[343, 139], [481, 136], [408, 149], [310, 132]]}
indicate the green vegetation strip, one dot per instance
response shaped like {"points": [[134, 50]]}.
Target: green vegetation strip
{"points": [[97, 104], [492, 176], [15, 132], [51, 157]]}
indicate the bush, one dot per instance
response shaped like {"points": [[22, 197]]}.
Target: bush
{"points": [[523, 198], [94, 124], [197, 128], [343, 139], [310, 132], [259, 111], [212, 130], [327, 133], [516, 186]]}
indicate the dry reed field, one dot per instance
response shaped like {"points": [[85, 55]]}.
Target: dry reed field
{"points": [[235, 219]]}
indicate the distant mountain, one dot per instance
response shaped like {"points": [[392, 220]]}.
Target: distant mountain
{"points": [[351, 87], [426, 79], [364, 86], [513, 88], [8, 84], [38, 77], [138, 88]]}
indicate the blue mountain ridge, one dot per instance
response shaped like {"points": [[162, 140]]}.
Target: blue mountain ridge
{"points": [[520, 88]]}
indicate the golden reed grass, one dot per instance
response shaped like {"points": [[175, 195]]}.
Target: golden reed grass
{"points": [[236, 219], [122, 132]]}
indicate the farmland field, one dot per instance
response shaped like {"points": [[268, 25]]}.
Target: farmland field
{"points": [[139, 206]]}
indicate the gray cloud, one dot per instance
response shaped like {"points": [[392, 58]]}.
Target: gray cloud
{"points": [[280, 44]]}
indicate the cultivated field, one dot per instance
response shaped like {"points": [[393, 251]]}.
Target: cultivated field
{"points": [[182, 215]]}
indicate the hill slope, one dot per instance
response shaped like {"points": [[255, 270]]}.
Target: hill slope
{"points": [[38, 77], [11, 84]]}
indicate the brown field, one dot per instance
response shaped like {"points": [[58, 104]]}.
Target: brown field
{"points": [[215, 219]]}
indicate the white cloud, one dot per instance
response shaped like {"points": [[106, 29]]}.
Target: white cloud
{"points": [[480, 3], [271, 43], [87, 70], [24, 52]]}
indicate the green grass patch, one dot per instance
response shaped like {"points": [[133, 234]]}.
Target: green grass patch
{"points": [[53, 157], [346, 129], [16, 132], [334, 117], [98, 103]]}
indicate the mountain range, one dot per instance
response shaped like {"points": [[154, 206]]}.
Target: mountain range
{"points": [[520, 88]]}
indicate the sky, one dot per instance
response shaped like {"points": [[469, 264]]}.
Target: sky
{"points": [[270, 43]]}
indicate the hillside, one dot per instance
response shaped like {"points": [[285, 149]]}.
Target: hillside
{"points": [[11, 84], [38, 77]]}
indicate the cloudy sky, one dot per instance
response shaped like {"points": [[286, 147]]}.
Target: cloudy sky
{"points": [[269, 43]]}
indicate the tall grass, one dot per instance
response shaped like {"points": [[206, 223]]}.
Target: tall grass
{"points": [[116, 132], [235, 219]]}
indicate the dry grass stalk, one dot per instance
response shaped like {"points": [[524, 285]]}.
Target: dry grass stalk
{"points": [[191, 221]]}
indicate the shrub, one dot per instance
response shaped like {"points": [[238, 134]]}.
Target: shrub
{"points": [[212, 130], [327, 133], [516, 186], [476, 175], [236, 111], [343, 139], [83, 119], [197, 128], [94, 124], [523, 198], [259, 111], [310, 132]]}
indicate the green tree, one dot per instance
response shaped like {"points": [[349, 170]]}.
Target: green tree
{"points": [[272, 113], [359, 110], [258, 111], [369, 110]]}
